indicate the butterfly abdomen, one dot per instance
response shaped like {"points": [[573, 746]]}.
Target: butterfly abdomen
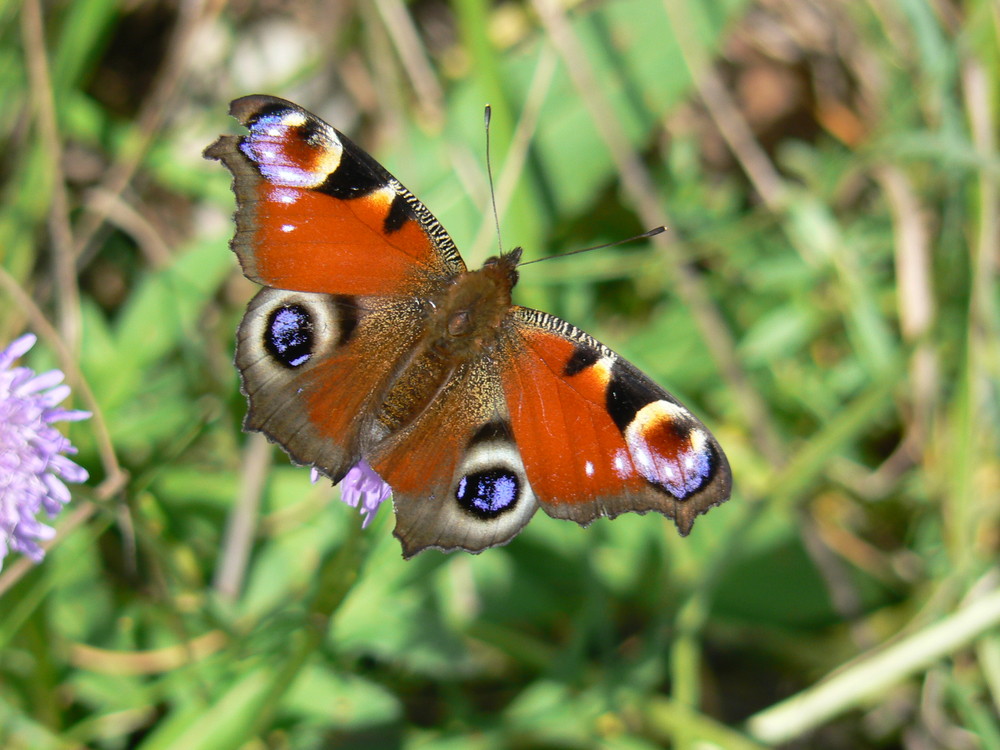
{"points": [[464, 324]]}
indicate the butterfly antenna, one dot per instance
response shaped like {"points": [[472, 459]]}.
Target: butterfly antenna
{"points": [[487, 114], [649, 233]]}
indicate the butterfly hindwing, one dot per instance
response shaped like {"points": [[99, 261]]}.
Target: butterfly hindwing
{"points": [[455, 470], [310, 371], [315, 213], [597, 436]]}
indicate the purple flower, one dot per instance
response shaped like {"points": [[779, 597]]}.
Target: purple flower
{"points": [[362, 487], [32, 467]]}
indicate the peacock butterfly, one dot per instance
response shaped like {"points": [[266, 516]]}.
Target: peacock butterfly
{"points": [[371, 341]]}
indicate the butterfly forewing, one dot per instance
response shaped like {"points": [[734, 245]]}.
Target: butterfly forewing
{"points": [[315, 213]]}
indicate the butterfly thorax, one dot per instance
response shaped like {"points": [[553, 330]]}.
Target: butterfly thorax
{"points": [[465, 322], [467, 315]]}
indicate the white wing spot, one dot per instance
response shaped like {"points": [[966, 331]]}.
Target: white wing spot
{"points": [[621, 464], [287, 227], [284, 196], [589, 468], [699, 442], [293, 120]]}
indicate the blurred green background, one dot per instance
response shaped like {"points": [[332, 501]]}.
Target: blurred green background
{"points": [[825, 300]]}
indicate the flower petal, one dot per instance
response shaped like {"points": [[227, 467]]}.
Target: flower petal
{"points": [[58, 494], [67, 415], [41, 382], [34, 468], [68, 470], [363, 487], [53, 397], [17, 349]]}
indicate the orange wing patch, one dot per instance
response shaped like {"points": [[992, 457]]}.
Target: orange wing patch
{"points": [[315, 213], [309, 241], [572, 450]]}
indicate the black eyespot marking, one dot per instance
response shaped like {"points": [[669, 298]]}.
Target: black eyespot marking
{"points": [[399, 213], [311, 132], [347, 312], [626, 395], [268, 111], [289, 335], [358, 174], [488, 494], [348, 182], [496, 430], [583, 357]]}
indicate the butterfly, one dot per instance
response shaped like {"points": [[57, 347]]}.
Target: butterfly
{"points": [[371, 341]]}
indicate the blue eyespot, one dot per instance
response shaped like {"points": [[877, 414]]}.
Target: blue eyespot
{"points": [[490, 493], [289, 335]]}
